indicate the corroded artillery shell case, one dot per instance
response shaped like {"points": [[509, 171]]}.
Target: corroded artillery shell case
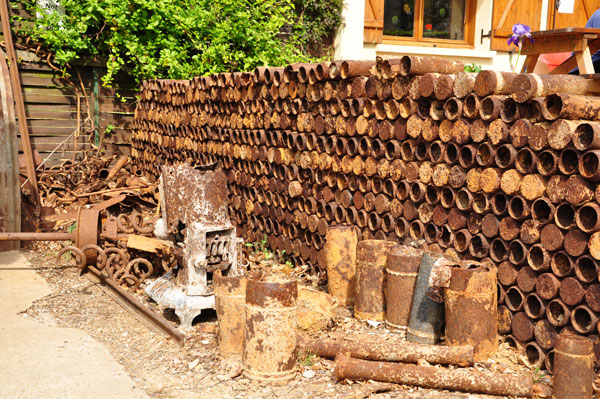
{"points": [[400, 279], [340, 253], [230, 299], [426, 316], [270, 330], [371, 257], [573, 367], [472, 310], [433, 377]]}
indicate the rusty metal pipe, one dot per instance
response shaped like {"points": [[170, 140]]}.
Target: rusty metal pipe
{"points": [[493, 82], [7, 236], [532, 356], [583, 319], [514, 299], [573, 367], [376, 349], [518, 208], [587, 136], [586, 269], [121, 162], [471, 106], [491, 107], [568, 161], [415, 65], [542, 211], [569, 106], [534, 306], [471, 310], [547, 285], [271, 307], [538, 258], [430, 377], [589, 165], [587, 217], [562, 264], [351, 69], [528, 86], [371, 257]]}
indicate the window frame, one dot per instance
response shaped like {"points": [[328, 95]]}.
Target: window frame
{"points": [[419, 40]]}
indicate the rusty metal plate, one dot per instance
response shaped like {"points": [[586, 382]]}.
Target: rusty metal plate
{"points": [[192, 195]]}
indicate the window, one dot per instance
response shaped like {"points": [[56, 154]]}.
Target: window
{"points": [[433, 21]]}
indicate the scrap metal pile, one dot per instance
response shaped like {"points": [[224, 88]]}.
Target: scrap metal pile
{"points": [[501, 167], [106, 211]]}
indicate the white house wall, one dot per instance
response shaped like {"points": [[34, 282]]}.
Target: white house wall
{"points": [[349, 40]]}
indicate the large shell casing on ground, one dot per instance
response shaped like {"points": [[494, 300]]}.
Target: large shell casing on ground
{"points": [[230, 299], [573, 367], [379, 348], [400, 279], [426, 316], [270, 330], [371, 257], [433, 377], [472, 310], [340, 253]]}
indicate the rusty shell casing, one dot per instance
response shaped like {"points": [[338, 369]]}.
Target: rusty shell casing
{"points": [[400, 278], [230, 299], [416, 65], [472, 310], [573, 367], [340, 254], [270, 330], [433, 377], [426, 315], [377, 348], [371, 257]]}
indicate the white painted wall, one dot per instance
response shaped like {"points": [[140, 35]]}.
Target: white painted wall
{"points": [[349, 40]]}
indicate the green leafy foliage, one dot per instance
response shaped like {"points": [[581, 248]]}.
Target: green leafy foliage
{"points": [[317, 19], [178, 39], [472, 68], [306, 358]]}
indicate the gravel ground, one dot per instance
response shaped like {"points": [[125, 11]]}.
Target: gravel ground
{"points": [[164, 370]]}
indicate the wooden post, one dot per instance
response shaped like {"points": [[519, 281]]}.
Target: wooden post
{"points": [[19, 104]]}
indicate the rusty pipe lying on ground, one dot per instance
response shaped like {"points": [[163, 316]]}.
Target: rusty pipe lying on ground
{"points": [[6, 236], [433, 377], [379, 349]]}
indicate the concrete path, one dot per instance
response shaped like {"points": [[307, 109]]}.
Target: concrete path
{"points": [[42, 361]]}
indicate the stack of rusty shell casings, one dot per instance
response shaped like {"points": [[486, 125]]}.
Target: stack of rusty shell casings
{"points": [[494, 166], [271, 319]]}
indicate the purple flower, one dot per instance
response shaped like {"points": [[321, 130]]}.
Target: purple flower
{"points": [[519, 32], [513, 39]]}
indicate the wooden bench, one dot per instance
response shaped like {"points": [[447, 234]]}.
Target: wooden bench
{"points": [[583, 42]]}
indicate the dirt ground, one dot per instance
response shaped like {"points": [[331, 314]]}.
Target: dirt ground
{"points": [[164, 370]]}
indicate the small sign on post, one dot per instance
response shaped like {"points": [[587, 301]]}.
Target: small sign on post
{"points": [[49, 7]]}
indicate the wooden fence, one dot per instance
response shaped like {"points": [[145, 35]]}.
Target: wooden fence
{"points": [[53, 113]]}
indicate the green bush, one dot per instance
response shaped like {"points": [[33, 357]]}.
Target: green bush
{"points": [[179, 39], [317, 20]]}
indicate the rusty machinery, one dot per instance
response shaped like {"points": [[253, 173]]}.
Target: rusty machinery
{"points": [[195, 216]]}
